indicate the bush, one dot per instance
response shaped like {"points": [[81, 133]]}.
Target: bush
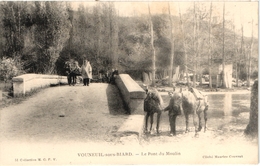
{"points": [[9, 68]]}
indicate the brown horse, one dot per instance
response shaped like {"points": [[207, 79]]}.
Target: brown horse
{"points": [[152, 104], [187, 102]]}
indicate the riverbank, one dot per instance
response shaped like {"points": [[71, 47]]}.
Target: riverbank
{"points": [[203, 88]]}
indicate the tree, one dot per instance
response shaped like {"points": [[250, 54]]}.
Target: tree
{"points": [[250, 55], [223, 51], [152, 46], [252, 127], [235, 52], [210, 47], [51, 32], [172, 44], [14, 28], [184, 47], [113, 34]]}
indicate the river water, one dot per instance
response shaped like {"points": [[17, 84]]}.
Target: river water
{"points": [[225, 105]]}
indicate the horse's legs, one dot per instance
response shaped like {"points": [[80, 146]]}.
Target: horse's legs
{"points": [[69, 79], [146, 121], [158, 121], [205, 118], [72, 78], [195, 122], [151, 121], [187, 122], [200, 126]]}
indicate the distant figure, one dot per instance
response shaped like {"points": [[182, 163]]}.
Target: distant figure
{"points": [[67, 67], [113, 76], [75, 71], [86, 72], [104, 76]]}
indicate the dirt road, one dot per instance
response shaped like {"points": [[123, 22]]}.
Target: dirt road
{"points": [[90, 113], [70, 122]]}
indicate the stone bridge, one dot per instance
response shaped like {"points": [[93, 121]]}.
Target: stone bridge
{"points": [[62, 111]]}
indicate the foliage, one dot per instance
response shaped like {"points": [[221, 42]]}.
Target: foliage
{"points": [[43, 35], [50, 33], [254, 74], [9, 68]]}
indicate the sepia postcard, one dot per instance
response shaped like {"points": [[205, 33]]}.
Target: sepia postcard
{"points": [[128, 82]]}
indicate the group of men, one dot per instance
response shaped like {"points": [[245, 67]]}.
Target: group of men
{"points": [[73, 70]]}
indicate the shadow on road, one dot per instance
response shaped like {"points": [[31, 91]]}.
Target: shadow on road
{"points": [[115, 101]]}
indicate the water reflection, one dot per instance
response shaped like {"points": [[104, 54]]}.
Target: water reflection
{"points": [[227, 107], [224, 105]]}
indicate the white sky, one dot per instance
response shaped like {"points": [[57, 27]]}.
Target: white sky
{"points": [[240, 12]]}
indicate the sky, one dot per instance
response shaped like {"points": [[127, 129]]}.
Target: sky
{"points": [[241, 13]]}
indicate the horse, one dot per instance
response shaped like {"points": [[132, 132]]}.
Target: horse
{"points": [[187, 102], [152, 104]]}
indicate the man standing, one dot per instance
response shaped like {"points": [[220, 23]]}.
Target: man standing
{"points": [[175, 109], [67, 67], [75, 71], [86, 72], [113, 76]]}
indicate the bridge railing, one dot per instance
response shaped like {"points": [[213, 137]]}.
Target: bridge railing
{"points": [[28, 82], [132, 93]]}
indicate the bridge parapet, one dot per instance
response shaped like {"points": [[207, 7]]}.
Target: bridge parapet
{"points": [[132, 93], [27, 82]]}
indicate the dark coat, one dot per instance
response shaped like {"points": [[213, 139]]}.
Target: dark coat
{"points": [[174, 107]]}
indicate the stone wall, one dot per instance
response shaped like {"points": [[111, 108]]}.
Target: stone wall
{"points": [[28, 82], [132, 93]]}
